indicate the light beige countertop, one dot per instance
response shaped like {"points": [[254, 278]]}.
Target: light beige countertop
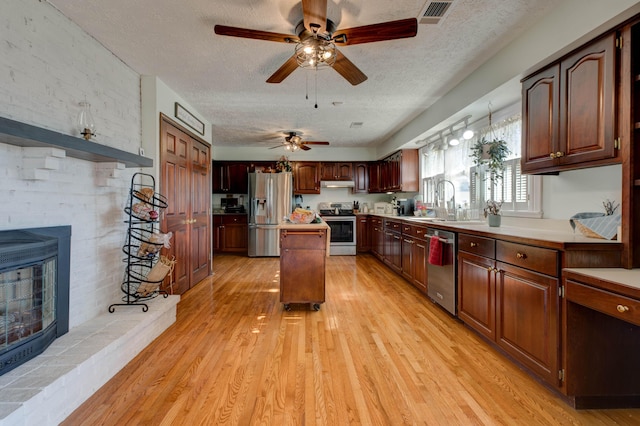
{"points": [[308, 227], [549, 233], [624, 277]]}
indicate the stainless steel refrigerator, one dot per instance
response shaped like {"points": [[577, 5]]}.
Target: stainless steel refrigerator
{"points": [[270, 197]]}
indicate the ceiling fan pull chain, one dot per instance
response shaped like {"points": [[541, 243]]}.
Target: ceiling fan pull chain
{"points": [[306, 95], [316, 105]]}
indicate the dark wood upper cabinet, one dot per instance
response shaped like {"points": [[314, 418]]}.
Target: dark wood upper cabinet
{"points": [[569, 113], [230, 177], [336, 171], [306, 177], [361, 177]]}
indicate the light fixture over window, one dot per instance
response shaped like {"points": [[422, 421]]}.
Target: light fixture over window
{"points": [[454, 139], [86, 125]]}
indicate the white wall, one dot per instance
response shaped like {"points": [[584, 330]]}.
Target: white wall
{"points": [[318, 153], [158, 98], [47, 66], [580, 191]]}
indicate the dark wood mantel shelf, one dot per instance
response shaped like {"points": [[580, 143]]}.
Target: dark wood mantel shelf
{"points": [[21, 134]]}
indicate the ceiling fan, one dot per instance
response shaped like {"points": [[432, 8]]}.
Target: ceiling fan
{"points": [[293, 142], [317, 37]]}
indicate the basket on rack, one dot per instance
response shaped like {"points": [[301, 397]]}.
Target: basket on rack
{"points": [[155, 277]]}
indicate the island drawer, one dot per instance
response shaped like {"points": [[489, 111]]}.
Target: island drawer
{"points": [[608, 303], [481, 246], [303, 239], [536, 259]]}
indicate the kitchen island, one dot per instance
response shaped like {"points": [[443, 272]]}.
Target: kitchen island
{"points": [[303, 252]]}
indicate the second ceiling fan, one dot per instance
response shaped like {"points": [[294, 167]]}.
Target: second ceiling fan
{"points": [[317, 37], [293, 142]]}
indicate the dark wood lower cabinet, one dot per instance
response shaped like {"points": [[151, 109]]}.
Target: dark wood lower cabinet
{"points": [[230, 233], [527, 308]]}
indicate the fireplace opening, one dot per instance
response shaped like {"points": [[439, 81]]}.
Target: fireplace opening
{"points": [[34, 292]]}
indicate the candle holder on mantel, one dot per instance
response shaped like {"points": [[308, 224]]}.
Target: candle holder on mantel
{"points": [[86, 125]]}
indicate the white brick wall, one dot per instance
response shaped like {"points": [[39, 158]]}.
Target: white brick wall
{"points": [[47, 66]]}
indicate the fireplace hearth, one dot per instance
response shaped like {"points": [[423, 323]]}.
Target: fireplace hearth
{"points": [[34, 292]]}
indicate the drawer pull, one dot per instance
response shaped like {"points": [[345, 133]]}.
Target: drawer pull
{"points": [[473, 244], [622, 308], [521, 255]]}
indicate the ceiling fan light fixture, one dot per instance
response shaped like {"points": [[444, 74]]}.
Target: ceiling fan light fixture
{"points": [[315, 52]]}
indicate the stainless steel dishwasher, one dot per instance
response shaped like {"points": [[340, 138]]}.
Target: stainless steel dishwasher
{"points": [[441, 278]]}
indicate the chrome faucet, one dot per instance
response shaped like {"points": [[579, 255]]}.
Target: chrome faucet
{"points": [[453, 199]]}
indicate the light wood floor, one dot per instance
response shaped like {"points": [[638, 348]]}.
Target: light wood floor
{"points": [[377, 353]]}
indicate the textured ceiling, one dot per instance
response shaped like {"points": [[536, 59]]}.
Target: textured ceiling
{"points": [[224, 77]]}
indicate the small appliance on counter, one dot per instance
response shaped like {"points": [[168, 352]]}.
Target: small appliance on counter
{"points": [[231, 205], [405, 206], [382, 208]]}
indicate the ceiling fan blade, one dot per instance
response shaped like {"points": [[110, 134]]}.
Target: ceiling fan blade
{"points": [[348, 70], [255, 34], [314, 143], [277, 146], [304, 147], [391, 30], [315, 15], [284, 71]]}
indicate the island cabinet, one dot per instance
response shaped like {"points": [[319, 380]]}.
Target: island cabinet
{"points": [[569, 110], [508, 292], [303, 252], [306, 177]]}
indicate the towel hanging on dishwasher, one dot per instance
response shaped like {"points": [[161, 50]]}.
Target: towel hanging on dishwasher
{"points": [[435, 251]]}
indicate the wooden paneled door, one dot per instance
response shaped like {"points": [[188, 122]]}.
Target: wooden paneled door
{"points": [[186, 182]]}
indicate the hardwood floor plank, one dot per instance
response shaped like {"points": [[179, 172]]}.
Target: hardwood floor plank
{"points": [[377, 353]]}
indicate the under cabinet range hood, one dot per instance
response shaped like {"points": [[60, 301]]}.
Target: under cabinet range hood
{"points": [[337, 184]]}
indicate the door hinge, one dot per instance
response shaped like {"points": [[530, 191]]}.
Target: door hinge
{"points": [[561, 291], [619, 42], [561, 375], [616, 143]]}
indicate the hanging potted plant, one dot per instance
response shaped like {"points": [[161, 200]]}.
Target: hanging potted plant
{"points": [[490, 154]]}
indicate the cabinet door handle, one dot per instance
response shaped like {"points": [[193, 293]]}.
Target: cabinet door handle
{"points": [[622, 308], [559, 154], [521, 255], [473, 244]]}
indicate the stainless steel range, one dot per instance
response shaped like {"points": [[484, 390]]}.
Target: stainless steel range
{"points": [[342, 221]]}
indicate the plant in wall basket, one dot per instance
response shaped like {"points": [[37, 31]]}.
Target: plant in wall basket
{"points": [[283, 165]]}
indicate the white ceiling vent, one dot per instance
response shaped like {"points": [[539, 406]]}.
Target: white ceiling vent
{"points": [[435, 11]]}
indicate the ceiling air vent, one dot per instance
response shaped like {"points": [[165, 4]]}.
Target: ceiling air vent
{"points": [[435, 11]]}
